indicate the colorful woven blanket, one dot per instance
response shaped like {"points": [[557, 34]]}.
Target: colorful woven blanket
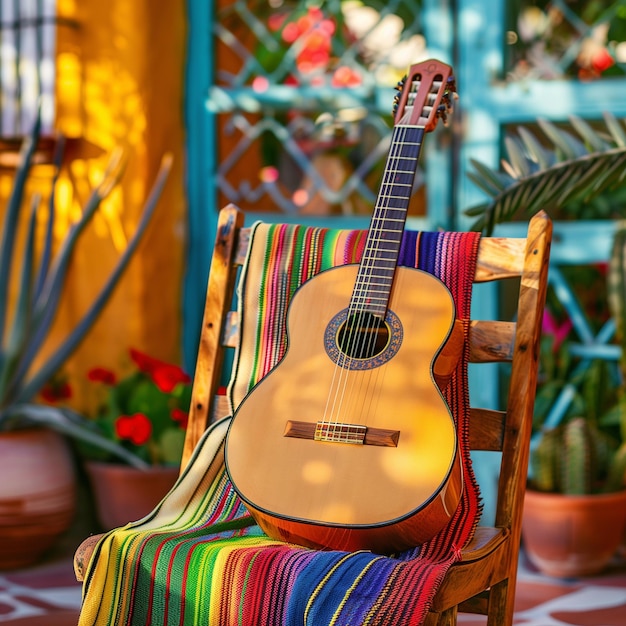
{"points": [[199, 558]]}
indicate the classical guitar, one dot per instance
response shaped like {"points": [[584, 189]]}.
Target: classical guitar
{"points": [[348, 443]]}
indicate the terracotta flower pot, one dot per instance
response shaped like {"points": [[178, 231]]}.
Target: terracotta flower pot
{"points": [[566, 536], [125, 494], [37, 494]]}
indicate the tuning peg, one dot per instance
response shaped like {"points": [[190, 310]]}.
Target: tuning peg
{"points": [[442, 113], [396, 103], [400, 85]]}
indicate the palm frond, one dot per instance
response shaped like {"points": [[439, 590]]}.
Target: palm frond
{"points": [[578, 165]]}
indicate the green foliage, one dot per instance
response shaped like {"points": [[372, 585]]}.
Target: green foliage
{"points": [[569, 171], [26, 320], [563, 168]]}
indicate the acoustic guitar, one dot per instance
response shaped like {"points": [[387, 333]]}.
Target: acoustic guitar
{"points": [[348, 442]]}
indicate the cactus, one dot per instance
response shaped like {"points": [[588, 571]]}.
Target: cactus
{"points": [[616, 299], [577, 458]]}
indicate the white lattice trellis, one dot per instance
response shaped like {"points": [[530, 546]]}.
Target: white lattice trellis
{"points": [[27, 62]]}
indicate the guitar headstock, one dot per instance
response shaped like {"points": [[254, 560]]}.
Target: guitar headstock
{"points": [[426, 95]]}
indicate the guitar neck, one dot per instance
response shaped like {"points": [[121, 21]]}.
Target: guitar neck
{"points": [[380, 256]]}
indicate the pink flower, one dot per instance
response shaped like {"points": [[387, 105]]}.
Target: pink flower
{"points": [[550, 326], [345, 76]]}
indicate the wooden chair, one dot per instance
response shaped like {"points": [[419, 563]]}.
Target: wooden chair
{"points": [[484, 581]]}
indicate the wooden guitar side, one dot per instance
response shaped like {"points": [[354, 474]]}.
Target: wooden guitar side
{"points": [[381, 496]]}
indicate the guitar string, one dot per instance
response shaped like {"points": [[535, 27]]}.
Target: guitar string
{"points": [[379, 225], [357, 342], [357, 311], [354, 315], [395, 208], [407, 151], [364, 343]]}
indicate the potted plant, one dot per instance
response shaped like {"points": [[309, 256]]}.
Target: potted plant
{"points": [[145, 412], [581, 461], [37, 494], [575, 503]]}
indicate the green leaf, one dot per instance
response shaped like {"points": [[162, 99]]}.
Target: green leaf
{"points": [[589, 135], [570, 147], [541, 157], [518, 161], [71, 343], [21, 325], [171, 444], [616, 130], [489, 180], [11, 218], [550, 189], [46, 255]]}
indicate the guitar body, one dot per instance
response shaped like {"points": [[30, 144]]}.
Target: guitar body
{"points": [[352, 453]]}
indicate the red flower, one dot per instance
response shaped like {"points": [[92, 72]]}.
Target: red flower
{"points": [[180, 416], [102, 375], [602, 60], [168, 376], [164, 375], [54, 391], [144, 362], [136, 428]]}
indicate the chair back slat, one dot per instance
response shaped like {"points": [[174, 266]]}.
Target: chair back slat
{"points": [[486, 429], [491, 341], [499, 257]]}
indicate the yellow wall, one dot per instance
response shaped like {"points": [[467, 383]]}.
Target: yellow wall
{"points": [[120, 82]]}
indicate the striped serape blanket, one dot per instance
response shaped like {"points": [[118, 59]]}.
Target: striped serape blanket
{"points": [[199, 558]]}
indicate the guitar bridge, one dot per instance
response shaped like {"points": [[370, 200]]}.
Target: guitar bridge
{"points": [[340, 432]]}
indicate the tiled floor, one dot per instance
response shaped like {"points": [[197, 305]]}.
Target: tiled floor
{"points": [[48, 595]]}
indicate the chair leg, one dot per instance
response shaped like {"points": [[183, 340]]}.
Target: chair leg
{"points": [[501, 605], [446, 618], [431, 619]]}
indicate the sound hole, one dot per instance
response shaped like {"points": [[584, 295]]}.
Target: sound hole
{"points": [[363, 336]]}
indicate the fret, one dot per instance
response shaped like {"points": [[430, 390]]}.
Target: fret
{"points": [[391, 218], [373, 299], [393, 197], [381, 252], [383, 284], [380, 256], [380, 226], [387, 263], [385, 244]]}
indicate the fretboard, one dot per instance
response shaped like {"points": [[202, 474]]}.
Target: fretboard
{"points": [[378, 264]]}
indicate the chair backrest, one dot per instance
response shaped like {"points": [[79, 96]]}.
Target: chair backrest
{"points": [[507, 431]]}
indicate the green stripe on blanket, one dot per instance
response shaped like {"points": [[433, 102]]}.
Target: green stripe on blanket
{"points": [[200, 559]]}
